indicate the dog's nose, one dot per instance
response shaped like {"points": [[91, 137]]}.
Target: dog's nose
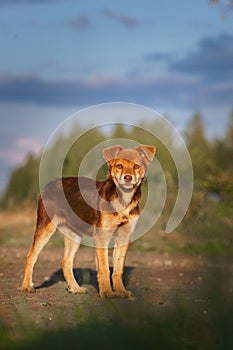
{"points": [[128, 178]]}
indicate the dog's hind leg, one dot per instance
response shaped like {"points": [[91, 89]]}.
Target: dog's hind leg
{"points": [[70, 251], [41, 237], [44, 230]]}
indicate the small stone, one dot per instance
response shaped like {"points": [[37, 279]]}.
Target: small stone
{"points": [[46, 303], [168, 263], [132, 298]]}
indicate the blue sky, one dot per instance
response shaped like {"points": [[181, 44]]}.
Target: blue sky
{"points": [[58, 56]]}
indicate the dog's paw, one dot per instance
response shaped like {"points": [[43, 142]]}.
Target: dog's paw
{"points": [[28, 288], [78, 290], [123, 293], [107, 294]]}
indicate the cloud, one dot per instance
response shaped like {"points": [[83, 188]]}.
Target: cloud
{"points": [[34, 90], [202, 78], [212, 59], [217, 93], [21, 146], [29, 143], [170, 89], [79, 23], [212, 62], [97, 89], [127, 21], [12, 156]]}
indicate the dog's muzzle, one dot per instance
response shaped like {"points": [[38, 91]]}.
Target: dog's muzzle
{"points": [[128, 178]]}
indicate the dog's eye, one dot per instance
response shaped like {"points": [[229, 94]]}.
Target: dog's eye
{"points": [[119, 166], [137, 166]]}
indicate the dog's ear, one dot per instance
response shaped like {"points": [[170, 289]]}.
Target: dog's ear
{"points": [[111, 152], [146, 152]]}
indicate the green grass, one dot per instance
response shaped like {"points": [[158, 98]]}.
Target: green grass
{"points": [[126, 325], [205, 230], [210, 233]]}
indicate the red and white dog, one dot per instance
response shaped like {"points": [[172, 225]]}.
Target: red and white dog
{"points": [[111, 207]]}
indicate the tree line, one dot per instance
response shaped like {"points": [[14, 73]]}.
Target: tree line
{"points": [[211, 159]]}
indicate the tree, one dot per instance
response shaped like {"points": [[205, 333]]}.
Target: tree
{"points": [[119, 131], [195, 133], [229, 133], [23, 184], [199, 148]]}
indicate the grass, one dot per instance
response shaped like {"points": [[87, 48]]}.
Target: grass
{"points": [[121, 324], [125, 325], [210, 233]]}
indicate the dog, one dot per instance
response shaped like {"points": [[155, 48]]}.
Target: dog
{"points": [[104, 210]]}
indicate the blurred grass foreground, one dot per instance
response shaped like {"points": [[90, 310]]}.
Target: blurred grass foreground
{"points": [[133, 327]]}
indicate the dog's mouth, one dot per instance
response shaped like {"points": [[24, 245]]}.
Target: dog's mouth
{"points": [[128, 182]]}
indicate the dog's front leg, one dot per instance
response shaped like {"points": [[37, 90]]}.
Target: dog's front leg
{"points": [[103, 273], [119, 256]]}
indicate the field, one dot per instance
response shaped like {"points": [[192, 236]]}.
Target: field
{"points": [[180, 301]]}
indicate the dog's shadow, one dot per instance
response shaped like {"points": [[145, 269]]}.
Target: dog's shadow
{"points": [[82, 276]]}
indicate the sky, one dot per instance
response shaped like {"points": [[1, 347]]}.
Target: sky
{"points": [[59, 56]]}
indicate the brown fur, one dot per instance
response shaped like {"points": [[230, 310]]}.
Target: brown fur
{"points": [[100, 209]]}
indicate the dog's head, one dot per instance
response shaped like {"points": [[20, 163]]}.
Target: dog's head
{"points": [[127, 167]]}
